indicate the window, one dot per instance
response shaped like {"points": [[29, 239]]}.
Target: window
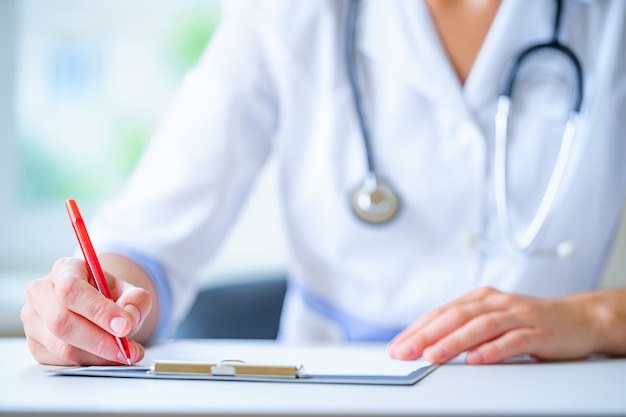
{"points": [[84, 85]]}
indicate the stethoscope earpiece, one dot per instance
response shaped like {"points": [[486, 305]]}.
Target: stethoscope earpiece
{"points": [[374, 201]]}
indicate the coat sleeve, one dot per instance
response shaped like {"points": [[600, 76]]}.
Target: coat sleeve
{"points": [[194, 175]]}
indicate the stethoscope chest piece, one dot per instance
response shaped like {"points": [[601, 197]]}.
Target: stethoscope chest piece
{"points": [[374, 201]]}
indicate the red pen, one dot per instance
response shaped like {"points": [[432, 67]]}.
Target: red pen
{"points": [[93, 265]]}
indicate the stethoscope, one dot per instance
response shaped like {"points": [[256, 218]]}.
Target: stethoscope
{"points": [[376, 202]]}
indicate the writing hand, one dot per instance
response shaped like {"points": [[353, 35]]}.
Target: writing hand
{"points": [[68, 322]]}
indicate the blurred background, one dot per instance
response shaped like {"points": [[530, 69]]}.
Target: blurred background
{"points": [[82, 85]]}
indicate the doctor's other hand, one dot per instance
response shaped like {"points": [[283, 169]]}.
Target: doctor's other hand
{"points": [[493, 326], [68, 322]]}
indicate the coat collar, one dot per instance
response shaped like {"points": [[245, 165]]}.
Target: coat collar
{"points": [[402, 35]]}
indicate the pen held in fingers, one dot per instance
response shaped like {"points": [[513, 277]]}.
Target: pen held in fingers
{"points": [[96, 274]]}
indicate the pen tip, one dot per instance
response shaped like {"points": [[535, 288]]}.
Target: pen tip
{"points": [[129, 362]]}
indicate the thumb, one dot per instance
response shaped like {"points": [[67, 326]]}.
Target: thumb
{"points": [[136, 301]]}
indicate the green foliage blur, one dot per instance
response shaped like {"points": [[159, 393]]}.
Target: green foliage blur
{"points": [[46, 177], [189, 36]]}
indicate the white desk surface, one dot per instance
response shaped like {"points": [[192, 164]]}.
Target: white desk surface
{"points": [[593, 388]]}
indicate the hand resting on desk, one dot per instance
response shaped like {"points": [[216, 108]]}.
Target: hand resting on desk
{"points": [[493, 326]]}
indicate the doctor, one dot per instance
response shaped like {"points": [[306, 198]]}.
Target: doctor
{"points": [[415, 215]]}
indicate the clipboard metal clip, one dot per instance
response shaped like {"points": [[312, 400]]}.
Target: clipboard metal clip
{"points": [[226, 367]]}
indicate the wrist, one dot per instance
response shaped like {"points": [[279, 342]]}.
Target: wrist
{"points": [[607, 314]]}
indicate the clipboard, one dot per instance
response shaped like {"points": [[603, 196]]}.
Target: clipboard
{"points": [[233, 370]]}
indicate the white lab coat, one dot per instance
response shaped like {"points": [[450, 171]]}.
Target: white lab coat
{"points": [[273, 80]]}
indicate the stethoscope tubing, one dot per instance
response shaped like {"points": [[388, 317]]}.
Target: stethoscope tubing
{"points": [[506, 88], [523, 244], [350, 33]]}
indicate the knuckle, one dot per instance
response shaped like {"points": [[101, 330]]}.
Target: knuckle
{"points": [[507, 299], [98, 311], [513, 343], [63, 263], [66, 291], [545, 334], [494, 352], [68, 353], [518, 340], [487, 324], [459, 315], [60, 323], [103, 347], [419, 340], [144, 301], [26, 314], [145, 297], [37, 350], [527, 312], [59, 263], [436, 312], [135, 295], [483, 292], [35, 287], [68, 267]]}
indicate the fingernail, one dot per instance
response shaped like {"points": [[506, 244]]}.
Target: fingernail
{"points": [[134, 312], [405, 351], [118, 325], [435, 353], [474, 356]]}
